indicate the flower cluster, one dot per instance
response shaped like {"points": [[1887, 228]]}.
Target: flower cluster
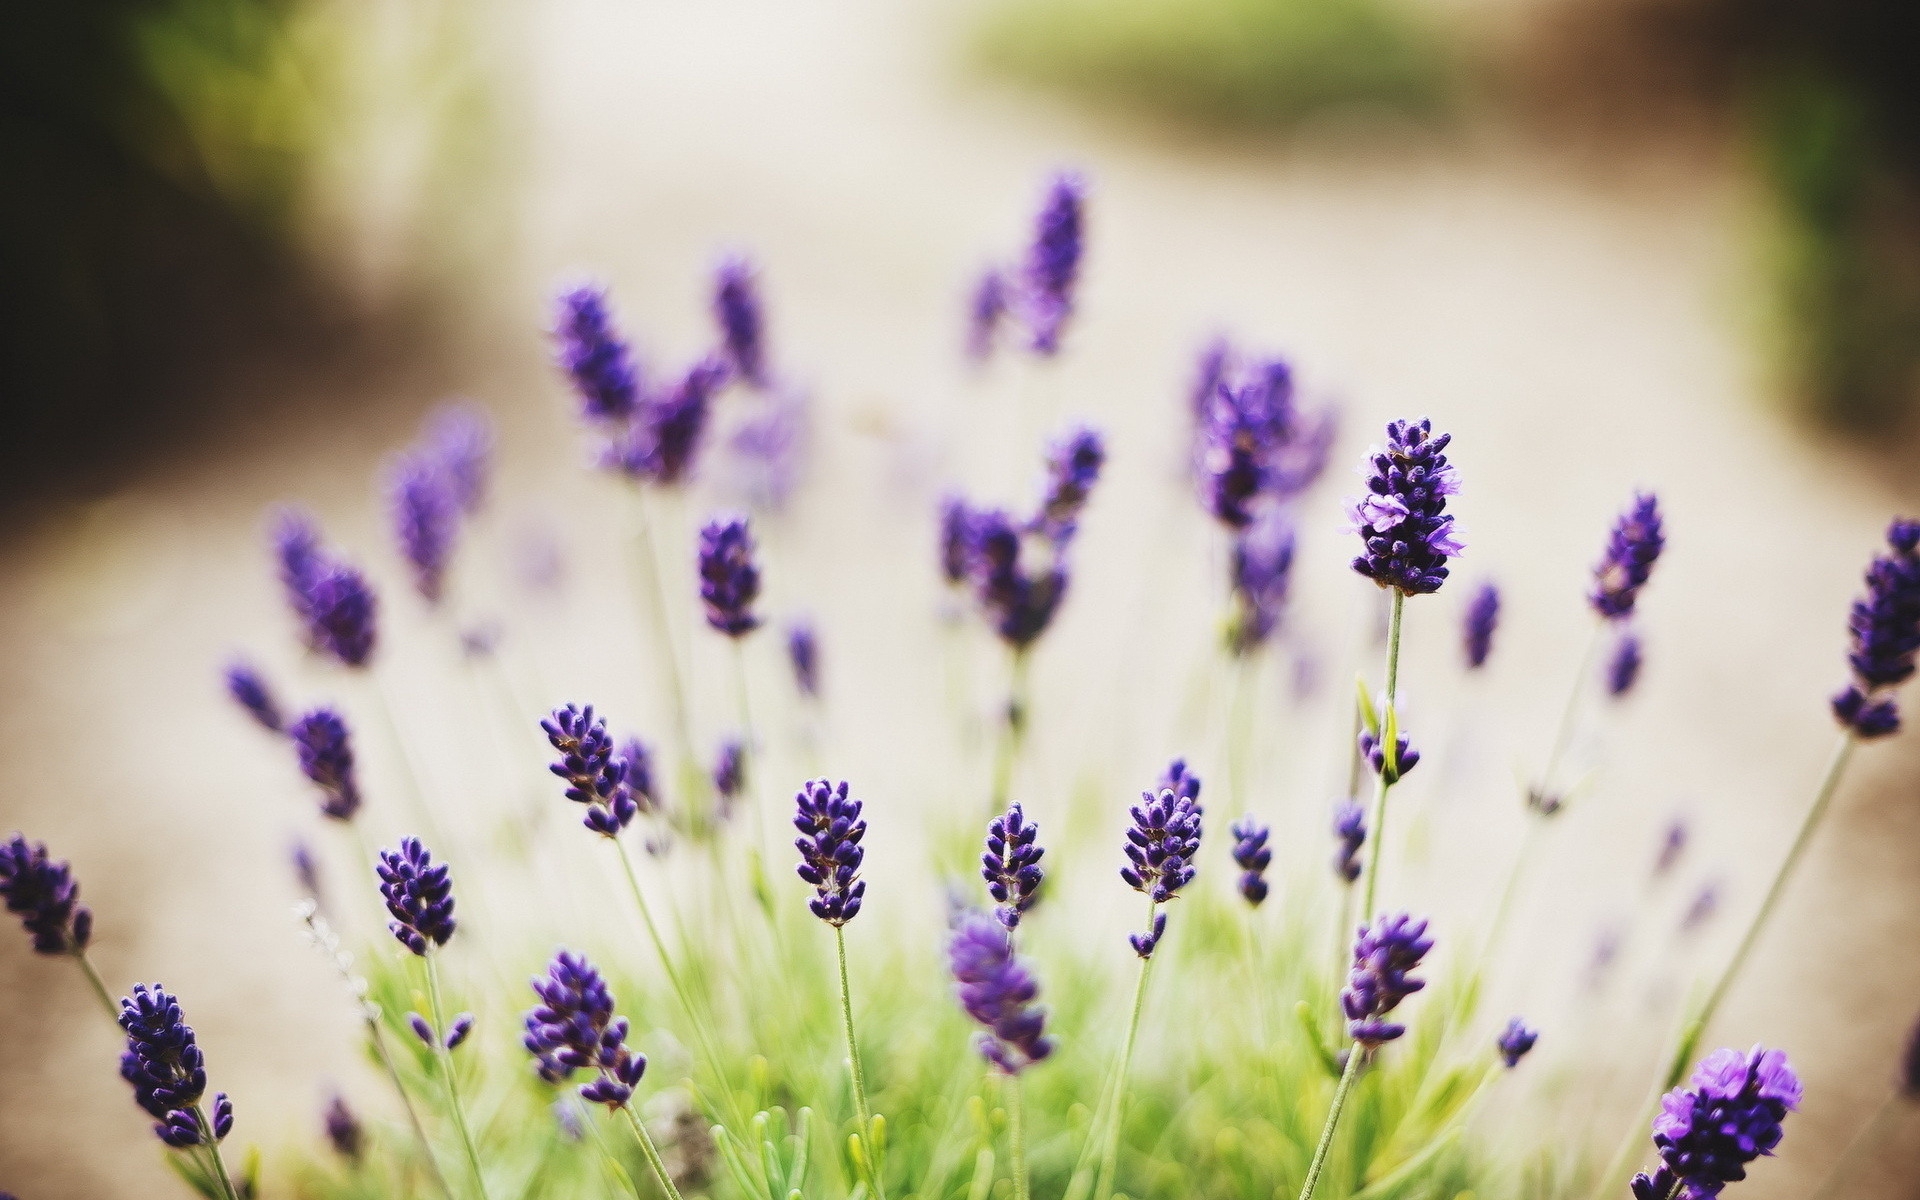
{"points": [[1350, 827], [1252, 445], [803, 652], [250, 691], [1261, 574], [1383, 956], [729, 580], [1019, 599], [43, 893], [595, 776], [333, 601], [1632, 549], [1041, 293], [1514, 1042], [419, 896], [344, 1131], [460, 441], [164, 1066], [595, 357], [830, 853], [1483, 616], [1161, 844], [736, 309], [456, 1033], [1073, 467], [426, 515], [1402, 520], [1885, 629], [1373, 748], [574, 1029], [997, 990], [326, 757], [1011, 864], [1252, 855], [1729, 1114], [730, 769], [1181, 781]]}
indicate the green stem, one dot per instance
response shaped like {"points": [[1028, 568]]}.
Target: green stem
{"points": [[1017, 1134], [98, 985], [1861, 1147], [651, 1152], [423, 809], [1013, 734], [750, 748], [1239, 730], [406, 1103], [1388, 729], [1542, 796], [647, 558], [860, 1108], [212, 1144], [446, 1073], [1110, 1153], [1333, 1122]]}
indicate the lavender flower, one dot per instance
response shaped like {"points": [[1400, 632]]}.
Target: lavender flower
{"points": [[1251, 855], [730, 769], [1073, 467], [44, 895], [803, 652], [1514, 1042], [594, 355], [425, 516], [164, 1066], [986, 308], [1053, 262], [1180, 779], [595, 777], [736, 308], [1729, 1114], [830, 852], [1383, 956], [1483, 616], [344, 1132], [1885, 629], [419, 896], [1143, 943], [729, 581], [460, 442], [1632, 549], [996, 990], [1374, 750], [1402, 520], [638, 760], [1262, 573], [1350, 826], [297, 554], [1236, 436], [956, 539], [326, 757], [1011, 864], [1251, 442], [249, 690], [1623, 669], [574, 1029], [341, 611], [1161, 844], [661, 443], [1019, 601]]}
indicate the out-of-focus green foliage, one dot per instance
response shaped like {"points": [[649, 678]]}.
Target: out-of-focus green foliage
{"points": [[1236, 63]]}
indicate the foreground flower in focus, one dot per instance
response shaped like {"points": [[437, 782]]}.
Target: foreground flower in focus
{"points": [[1383, 956], [164, 1066], [1011, 864], [1729, 1114], [419, 896], [42, 892], [574, 1029], [1885, 629], [1402, 519], [830, 851]]}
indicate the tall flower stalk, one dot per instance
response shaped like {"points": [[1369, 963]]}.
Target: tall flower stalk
{"points": [[43, 893], [998, 991]]}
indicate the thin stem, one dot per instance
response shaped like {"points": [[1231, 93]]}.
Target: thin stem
{"points": [[1017, 1134], [1239, 729], [423, 808], [750, 747], [1389, 726], [446, 1072], [1013, 733], [859, 1073], [406, 1102], [647, 558], [98, 985], [1333, 1122], [1109, 1155], [1862, 1146], [212, 1144], [1563, 734], [652, 1154]]}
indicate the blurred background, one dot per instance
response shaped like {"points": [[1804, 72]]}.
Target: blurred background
{"points": [[247, 244]]}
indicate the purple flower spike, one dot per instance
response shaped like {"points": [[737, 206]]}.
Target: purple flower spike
{"points": [[1252, 855], [1383, 957], [326, 757], [164, 1066], [44, 895], [997, 990], [1406, 758], [1632, 549], [1350, 826], [594, 355], [730, 769], [460, 442], [1073, 467], [250, 691], [1623, 669], [729, 581], [736, 308], [1483, 616], [344, 1132], [574, 1029], [423, 1029], [1053, 262], [830, 852], [425, 517], [1144, 943], [419, 896], [1019, 602], [341, 609], [1161, 844], [1182, 782], [803, 652], [1011, 864], [986, 309], [1514, 1042], [300, 561], [1262, 575], [1402, 520], [1728, 1115], [1885, 629], [595, 777]]}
